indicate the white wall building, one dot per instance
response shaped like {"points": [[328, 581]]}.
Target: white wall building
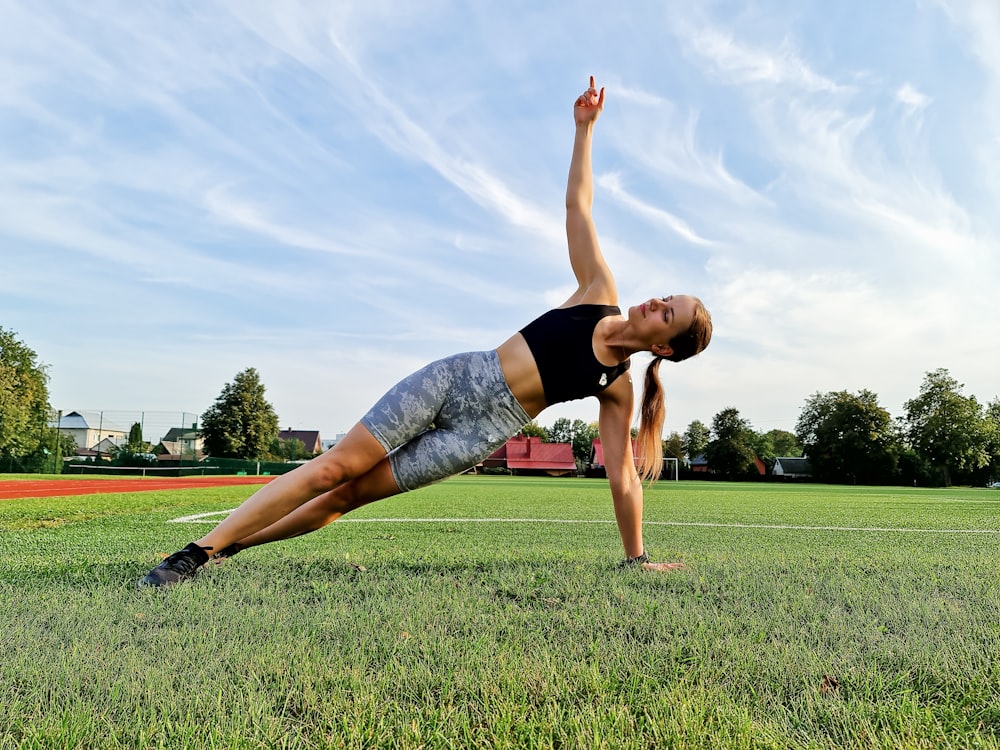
{"points": [[91, 431]]}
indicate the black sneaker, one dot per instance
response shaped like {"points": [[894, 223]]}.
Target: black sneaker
{"points": [[226, 552], [632, 562], [180, 566]]}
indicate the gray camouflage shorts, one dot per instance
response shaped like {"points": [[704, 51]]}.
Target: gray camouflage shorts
{"points": [[445, 418]]}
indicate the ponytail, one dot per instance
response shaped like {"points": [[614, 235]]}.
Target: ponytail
{"points": [[651, 413]]}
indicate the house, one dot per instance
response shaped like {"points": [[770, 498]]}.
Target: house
{"points": [[791, 467], [91, 432], [180, 443], [175, 451], [310, 439], [523, 454]]}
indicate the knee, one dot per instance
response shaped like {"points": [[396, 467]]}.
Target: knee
{"points": [[350, 458], [326, 475]]}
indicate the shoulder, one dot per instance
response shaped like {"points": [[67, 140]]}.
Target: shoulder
{"points": [[617, 399], [600, 291]]}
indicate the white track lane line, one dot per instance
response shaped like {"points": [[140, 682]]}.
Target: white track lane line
{"points": [[209, 518]]}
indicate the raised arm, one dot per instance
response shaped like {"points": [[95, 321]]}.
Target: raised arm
{"points": [[595, 282]]}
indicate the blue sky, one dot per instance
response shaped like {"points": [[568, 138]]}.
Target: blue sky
{"points": [[337, 193]]}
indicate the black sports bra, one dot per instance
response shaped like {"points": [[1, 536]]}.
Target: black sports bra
{"points": [[561, 341]]}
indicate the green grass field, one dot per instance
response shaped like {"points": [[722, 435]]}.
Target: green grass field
{"points": [[806, 617]]}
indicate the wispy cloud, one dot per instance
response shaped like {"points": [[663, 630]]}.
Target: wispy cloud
{"points": [[338, 193], [613, 185], [737, 62], [911, 98]]}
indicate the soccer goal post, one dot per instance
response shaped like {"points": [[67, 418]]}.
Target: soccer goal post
{"points": [[667, 463]]}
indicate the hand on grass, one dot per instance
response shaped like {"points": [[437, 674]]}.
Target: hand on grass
{"points": [[663, 567]]}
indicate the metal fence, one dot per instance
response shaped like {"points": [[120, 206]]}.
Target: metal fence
{"points": [[99, 431], [155, 425]]}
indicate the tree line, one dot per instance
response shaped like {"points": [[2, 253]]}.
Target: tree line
{"points": [[943, 437]]}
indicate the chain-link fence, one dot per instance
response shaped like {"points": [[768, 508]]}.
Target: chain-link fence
{"points": [[95, 435], [95, 425], [164, 442]]}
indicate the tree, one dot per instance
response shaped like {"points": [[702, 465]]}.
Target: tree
{"points": [[673, 447], [136, 452], [696, 439], [561, 431], [730, 452], [773, 444], [946, 428], [64, 447], [763, 448], [577, 433], [135, 436], [241, 423], [993, 442], [24, 398], [785, 443], [533, 429], [848, 438], [135, 442], [292, 449]]}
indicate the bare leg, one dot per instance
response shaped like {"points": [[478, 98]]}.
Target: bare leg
{"points": [[352, 457], [328, 507]]}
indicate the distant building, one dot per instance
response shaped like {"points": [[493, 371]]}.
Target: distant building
{"points": [[310, 439], [180, 443], [91, 433], [791, 467], [529, 455], [188, 437]]}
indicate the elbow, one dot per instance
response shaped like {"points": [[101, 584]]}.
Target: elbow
{"points": [[577, 212]]}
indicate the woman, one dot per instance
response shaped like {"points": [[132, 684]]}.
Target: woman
{"points": [[453, 413]]}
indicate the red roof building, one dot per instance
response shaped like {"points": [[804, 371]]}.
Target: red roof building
{"points": [[310, 439], [522, 454]]}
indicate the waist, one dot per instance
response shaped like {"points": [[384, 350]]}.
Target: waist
{"points": [[521, 373]]}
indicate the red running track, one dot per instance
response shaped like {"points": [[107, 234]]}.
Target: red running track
{"points": [[20, 488]]}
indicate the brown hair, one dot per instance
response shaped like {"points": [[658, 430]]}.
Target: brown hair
{"points": [[653, 408]]}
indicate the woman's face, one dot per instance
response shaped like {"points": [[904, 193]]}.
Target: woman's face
{"points": [[658, 320]]}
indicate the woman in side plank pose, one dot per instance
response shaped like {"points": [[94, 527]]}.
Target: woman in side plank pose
{"points": [[451, 414]]}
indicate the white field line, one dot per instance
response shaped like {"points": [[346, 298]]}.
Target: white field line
{"points": [[209, 518]]}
